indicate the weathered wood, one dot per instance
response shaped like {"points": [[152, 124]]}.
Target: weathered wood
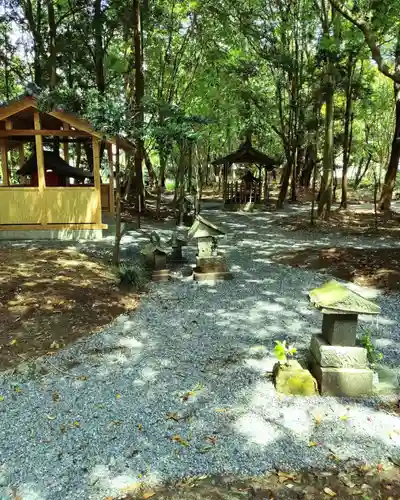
{"points": [[111, 179], [4, 163], [96, 173], [16, 107], [44, 132], [66, 145], [39, 153], [21, 155]]}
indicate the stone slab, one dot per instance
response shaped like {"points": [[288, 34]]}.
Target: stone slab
{"points": [[343, 382], [340, 329], [334, 356], [294, 380], [52, 234]]}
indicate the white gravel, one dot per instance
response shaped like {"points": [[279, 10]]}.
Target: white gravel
{"points": [[94, 428]]}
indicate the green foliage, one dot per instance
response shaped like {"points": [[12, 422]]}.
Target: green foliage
{"points": [[282, 352], [373, 355], [133, 275]]}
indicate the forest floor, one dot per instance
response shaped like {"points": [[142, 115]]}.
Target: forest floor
{"points": [[51, 297], [363, 483], [360, 219], [374, 267], [181, 387]]}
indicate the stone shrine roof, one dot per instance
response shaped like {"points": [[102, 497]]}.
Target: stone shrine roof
{"points": [[335, 298]]}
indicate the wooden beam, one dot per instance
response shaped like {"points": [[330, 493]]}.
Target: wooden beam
{"points": [[4, 163], [9, 125], [66, 145], [96, 173], [111, 179], [16, 107], [26, 132], [39, 154], [21, 152]]}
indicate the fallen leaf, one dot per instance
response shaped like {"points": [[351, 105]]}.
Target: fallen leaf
{"points": [[13, 342], [312, 443], [76, 424], [51, 417], [179, 439], [284, 476], [173, 416], [318, 419], [140, 427], [118, 396], [379, 467], [344, 417], [1, 398], [82, 377], [148, 494], [187, 395], [55, 396], [329, 492]]}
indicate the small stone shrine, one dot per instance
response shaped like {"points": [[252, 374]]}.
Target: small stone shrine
{"points": [[156, 256], [210, 265], [176, 242], [338, 364]]}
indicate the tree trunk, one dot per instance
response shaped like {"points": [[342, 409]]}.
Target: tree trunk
{"points": [[117, 209], [52, 44], [139, 112], [347, 124], [287, 170], [99, 49], [161, 181], [150, 170]]}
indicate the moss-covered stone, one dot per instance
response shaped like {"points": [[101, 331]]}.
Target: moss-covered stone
{"points": [[293, 380]]}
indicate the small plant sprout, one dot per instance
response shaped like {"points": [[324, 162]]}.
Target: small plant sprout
{"points": [[283, 352]]}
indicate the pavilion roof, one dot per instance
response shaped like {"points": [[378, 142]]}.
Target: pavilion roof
{"points": [[247, 154]]}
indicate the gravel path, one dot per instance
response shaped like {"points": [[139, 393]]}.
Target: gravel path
{"points": [[97, 422]]}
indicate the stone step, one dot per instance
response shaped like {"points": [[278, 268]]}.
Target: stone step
{"points": [[334, 356]]}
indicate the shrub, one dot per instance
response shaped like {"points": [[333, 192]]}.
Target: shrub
{"points": [[133, 275]]}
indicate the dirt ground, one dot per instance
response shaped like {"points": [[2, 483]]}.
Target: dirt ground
{"points": [[360, 220], [50, 297], [379, 268], [362, 483]]}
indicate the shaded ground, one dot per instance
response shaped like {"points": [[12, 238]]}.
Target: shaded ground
{"points": [[359, 220], [50, 297], [362, 483], [376, 267]]}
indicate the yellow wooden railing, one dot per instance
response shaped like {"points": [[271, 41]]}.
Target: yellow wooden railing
{"points": [[53, 205]]}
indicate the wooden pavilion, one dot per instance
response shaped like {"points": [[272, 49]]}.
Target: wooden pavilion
{"points": [[245, 191], [53, 195]]}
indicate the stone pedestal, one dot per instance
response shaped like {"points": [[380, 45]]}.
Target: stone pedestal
{"points": [[293, 380], [211, 268], [342, 382], [337, 356], [160, 275], [340, 329], [340, 370]]}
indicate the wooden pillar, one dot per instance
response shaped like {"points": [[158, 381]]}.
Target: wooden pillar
{"points": [[225, 180], [266, 187], [111, 179], [39, 153], [96, 173], [4, 163], [21, 154], [66, 144]]}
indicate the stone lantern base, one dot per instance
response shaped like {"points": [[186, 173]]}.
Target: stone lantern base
{"points": [[211, 268], [340, 370], [160, 275]]}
